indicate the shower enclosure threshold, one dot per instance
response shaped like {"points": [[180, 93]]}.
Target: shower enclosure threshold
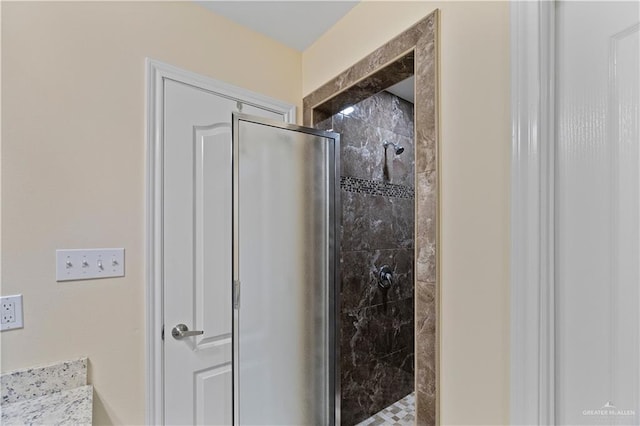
{"points": [[400, 413]]}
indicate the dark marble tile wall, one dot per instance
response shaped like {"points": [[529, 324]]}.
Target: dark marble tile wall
{"points": [[381, 117], [377, 326]]}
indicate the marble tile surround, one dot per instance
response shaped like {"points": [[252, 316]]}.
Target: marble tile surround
{"points": [[397, 71], [381, 117], [377, 197], [374, 71]]}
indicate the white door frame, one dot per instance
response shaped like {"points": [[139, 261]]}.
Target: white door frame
{"points": [[156, 72], [532, 212]]}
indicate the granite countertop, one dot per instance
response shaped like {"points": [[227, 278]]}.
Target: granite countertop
{"points": [[53, 394], [72, 406]]}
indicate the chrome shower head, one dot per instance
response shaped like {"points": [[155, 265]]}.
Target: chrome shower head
{"points": [[397, 148]]}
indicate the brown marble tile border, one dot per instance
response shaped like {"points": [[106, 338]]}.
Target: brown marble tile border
{"points": [[415, 51]]}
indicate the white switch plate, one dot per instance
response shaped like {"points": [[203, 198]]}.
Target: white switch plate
{"points": [[11, 312], [87, 264]]}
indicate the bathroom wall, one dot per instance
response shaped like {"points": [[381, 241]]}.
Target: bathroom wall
{"points": [[474, 129], [73, 168], [377, 189], [73, 173]]}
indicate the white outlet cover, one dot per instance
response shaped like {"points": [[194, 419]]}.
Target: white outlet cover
{"points": [[17, 320], [87, 264]]}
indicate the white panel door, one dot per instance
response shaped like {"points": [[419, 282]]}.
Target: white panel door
{"points": [[597, 214], [197, 253]]}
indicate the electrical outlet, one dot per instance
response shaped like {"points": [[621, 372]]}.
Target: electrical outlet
{"points": [[8, 312], [11, 312]]}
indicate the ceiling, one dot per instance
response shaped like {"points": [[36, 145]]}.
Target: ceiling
{"points": [[296, 24], [404, 89]]}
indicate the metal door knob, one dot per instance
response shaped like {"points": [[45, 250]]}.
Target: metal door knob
{"points": [[181, 330]]}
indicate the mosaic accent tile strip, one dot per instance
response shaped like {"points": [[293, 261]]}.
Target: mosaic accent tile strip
{"points": [[29, 383], [374, 187], [400, 413]]}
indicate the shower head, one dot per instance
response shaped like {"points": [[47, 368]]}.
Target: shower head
{"points": [[397, 148]]}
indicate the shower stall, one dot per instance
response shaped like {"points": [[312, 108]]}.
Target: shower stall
{"points": [[389, 186], [376, 260], [331, 229]]}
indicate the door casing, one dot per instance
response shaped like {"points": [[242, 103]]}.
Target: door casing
{"points": [[156, 72], [532, 212]]}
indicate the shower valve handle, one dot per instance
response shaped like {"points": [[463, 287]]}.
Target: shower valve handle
{"points": [[385, 277]]}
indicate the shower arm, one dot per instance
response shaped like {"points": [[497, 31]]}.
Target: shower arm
{"points": [[396, 148]]}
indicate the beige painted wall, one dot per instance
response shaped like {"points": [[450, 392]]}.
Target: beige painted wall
{"points": [[73, 175], [73, 156], [475, 142]]}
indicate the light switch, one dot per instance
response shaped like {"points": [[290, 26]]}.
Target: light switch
{"points": [[87, 264]]}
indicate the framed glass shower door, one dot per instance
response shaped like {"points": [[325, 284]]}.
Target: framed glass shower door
{"points": [[286, 199]]}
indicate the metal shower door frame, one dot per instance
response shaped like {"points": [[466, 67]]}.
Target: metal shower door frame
{"points": [[333, 292]]}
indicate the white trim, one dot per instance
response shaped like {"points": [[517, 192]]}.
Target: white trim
{"points": [[156, 72], [532, 212], [153, 214]]}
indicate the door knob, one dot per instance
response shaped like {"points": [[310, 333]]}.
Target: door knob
{"points": [[181, 330]]}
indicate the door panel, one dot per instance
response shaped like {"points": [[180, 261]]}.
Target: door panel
{"points": [[197, 250], [597, 214], [212, 196], [286, 265], [213, 396]]}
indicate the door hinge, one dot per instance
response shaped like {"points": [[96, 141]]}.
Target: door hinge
{"points": [[163, 332], [236, 294]]}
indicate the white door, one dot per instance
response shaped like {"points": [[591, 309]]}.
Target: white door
{"points": [[197, 252], [597, 188]]}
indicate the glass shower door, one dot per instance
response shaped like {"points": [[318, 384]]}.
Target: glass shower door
{"points": [[285, 243]]}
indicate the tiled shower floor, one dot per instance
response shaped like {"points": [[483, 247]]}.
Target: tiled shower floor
{"points": [[400, 413]]}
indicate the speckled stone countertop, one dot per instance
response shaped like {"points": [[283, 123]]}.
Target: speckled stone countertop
{"points": [[51, 394], [67, 407]]}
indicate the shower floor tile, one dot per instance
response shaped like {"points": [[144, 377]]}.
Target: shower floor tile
{"points": [[400, 413]]}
